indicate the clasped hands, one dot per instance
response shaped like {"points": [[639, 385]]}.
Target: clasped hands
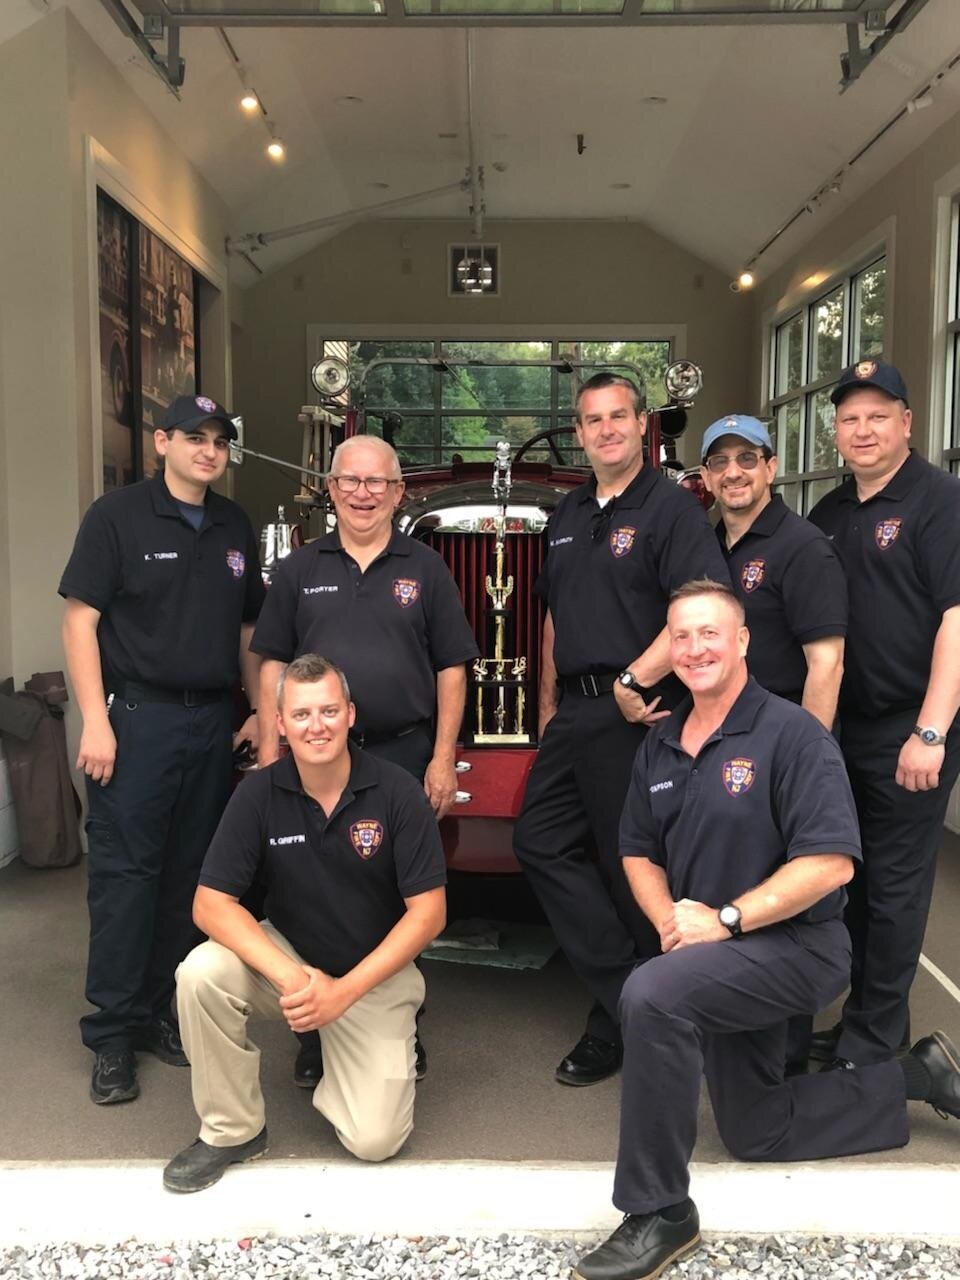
{"points": [[322, 1000], [689, 923]]}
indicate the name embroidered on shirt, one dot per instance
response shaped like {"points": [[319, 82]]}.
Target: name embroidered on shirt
{"points": [[559, 542], [275, 840], [161, 555], [662, 786], [316, 591]]}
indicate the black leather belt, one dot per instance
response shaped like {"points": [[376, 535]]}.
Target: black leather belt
{"points": [[589, 686], [130, 692], [374, 739]]}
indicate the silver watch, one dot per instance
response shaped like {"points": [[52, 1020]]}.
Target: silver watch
{"points": [[928, 736], [730, 918]]}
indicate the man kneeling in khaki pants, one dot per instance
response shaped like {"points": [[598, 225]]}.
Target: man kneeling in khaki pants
{"points": [[349, 851]]}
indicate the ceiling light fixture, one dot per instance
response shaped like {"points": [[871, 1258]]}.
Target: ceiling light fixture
{"points": [[746, 279], [249, 101], [920, 102], [276, 149]]}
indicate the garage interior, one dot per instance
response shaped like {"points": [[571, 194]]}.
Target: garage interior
{"points": [[636, 159]]}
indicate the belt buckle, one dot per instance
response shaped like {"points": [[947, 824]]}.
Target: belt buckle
{"points": [[589, 687], [190, 698]]}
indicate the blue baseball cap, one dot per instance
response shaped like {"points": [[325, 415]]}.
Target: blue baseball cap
{"points": [[871, 373], [736, 424]]}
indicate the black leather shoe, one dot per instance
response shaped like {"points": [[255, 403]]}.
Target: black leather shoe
{"points": [[839, 1064], [823, 1044], [940, 1057], [590, 1061], [162, 1039], [201, 1165], [642, 1246], [308, 1068], [114, 1077]]}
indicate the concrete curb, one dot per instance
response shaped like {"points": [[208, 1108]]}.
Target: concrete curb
{"points": [[107, 1203]]}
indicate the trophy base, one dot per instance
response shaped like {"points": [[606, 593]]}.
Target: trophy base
{"points": [[501, 740]]}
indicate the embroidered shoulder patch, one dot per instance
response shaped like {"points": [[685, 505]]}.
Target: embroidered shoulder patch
{"points": [[751, 575], [406, 591], [887, 532], [622, 540]]}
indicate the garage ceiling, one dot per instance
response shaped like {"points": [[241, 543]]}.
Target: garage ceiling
{"points": [[713, 135]]}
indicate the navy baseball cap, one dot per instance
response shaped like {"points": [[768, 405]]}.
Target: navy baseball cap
{"points": [[871, 373], [186, 413], [736, 424]]}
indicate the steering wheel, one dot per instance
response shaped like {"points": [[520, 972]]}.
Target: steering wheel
{"points": [[550, 439]]}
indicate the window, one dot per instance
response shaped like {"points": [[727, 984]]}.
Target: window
{"points": [[810, 348], [148, 344], [463, 410], [951, 451]]}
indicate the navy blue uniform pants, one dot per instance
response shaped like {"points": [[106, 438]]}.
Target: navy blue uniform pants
{"points": [[567, 841], [719, 1010], [148, 831], [889, 897]]}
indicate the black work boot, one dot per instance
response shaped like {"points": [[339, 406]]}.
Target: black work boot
{"points": [[201, 1165], [589, 1061]]}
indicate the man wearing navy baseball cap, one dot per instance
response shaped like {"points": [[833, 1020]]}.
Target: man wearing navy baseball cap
{"points": [[162, 591], [785, 573], [896, 526]]}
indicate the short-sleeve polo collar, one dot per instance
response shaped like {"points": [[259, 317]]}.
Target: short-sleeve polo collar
{"points": [[739, 719]]}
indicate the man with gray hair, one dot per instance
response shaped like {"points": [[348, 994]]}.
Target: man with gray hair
{"points": [[385, 608], [349, 852]]}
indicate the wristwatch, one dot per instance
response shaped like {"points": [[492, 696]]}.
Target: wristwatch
{"points": [[730, 919], [929, 737], [630, 681]]}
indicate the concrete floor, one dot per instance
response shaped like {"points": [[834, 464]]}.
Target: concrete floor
{"points": [[493, 1038]]}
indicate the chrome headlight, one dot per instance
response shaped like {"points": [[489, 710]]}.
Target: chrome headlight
{"points": [[683, 381]]}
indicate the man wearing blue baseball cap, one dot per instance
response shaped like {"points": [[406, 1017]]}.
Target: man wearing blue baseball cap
{"points": [[784, 572], [162, 590], [896, 525]]}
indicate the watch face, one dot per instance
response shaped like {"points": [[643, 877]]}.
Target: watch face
{"points": [[729, 916], [626, 679], [929, 736]]}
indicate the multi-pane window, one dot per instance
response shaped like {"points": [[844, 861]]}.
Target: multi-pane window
{"points": [[810, 349], [450, 410], [951, 451]]}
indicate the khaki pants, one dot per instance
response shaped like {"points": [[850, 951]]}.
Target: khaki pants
{"points": [[368, 1081]]}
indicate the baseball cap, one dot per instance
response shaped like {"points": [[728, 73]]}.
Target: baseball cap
{"points": [[871, 373], [736, 424], [187, 412]]}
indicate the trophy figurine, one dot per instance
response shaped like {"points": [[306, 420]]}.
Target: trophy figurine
{"points": [[500, 680]]}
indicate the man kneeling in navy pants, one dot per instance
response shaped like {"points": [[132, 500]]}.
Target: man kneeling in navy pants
{"points": [[738, 835]]}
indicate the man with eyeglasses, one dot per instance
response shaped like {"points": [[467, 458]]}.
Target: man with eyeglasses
{"points": [[617, 546], [785, 572], [895, 524], [385, 609]]}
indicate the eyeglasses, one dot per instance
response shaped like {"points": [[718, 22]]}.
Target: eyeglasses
{"points": [[718, 462], [375, 485]]}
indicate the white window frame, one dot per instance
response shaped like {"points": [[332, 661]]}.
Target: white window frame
{"points": [[943, 440], [803, 297]]}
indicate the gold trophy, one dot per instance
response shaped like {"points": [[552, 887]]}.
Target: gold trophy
{"points": [[500, 680]]}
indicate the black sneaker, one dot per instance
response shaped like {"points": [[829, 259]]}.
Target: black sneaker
{"points": [[162, 1038], [201, 1165], [421, 1057], [308, 1068], [114, 1077], [642, 1246], [839, 1064], [589, 1061], [939, 1055]]}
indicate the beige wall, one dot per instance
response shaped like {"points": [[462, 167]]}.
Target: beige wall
{"points": [[555, 275], [905, 200], [56, 91]]}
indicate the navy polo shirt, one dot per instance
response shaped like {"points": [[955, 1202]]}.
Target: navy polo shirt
{"points": [[901, 553], [768, 786], [390, 629], [171, 597], [792, 587], [335, 886], [610, 570]]}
